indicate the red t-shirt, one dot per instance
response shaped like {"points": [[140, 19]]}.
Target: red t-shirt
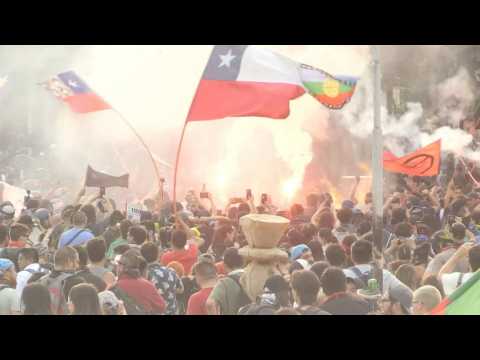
{"points": [[16, 244], [185, 257], [143, 292], [196, 303]]}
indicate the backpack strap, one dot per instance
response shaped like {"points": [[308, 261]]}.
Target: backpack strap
{"points": [[73, 238], [359, 275], [459, 281]]}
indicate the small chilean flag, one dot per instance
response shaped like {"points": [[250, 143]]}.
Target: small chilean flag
{"points": [[241, 80], [69, 88]]}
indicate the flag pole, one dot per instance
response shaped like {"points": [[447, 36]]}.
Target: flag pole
{"points": [[175, 170], [147, 149], [377, 163]]}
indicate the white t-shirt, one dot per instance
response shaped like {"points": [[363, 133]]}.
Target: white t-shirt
{"points": [[389, 280], [450, 281], [8, 301], [23, 277]]}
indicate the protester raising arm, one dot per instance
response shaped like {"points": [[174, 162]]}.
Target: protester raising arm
{"points": [[450, 265], [353, 194]]}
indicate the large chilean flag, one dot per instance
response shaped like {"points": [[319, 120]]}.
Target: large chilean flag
{"points": [[241, 80]]}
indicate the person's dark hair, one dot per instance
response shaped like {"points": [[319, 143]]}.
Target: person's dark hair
{"points": [[326, 233], [424, 229], [67, 212], [85, 299], [306, 285], [345, 216], [295, 266], [335, 255], [205, 269], [404, 252], [82, 255], [30, 254], [150, 252], [244, 208], [131, 263], [64, 256], [179, 239], [319, 267], [474, 258], [139, 234], [17, 230], [476, 217], [26, 220], [407, 274], [362, 252], [70, 282], [96, 249], [326, 220], [317, 250], [295, 237], [219, 242], [142, 266], [364, 228], [232, 258], [458, 231], [403, 230], [309, 231], [399, 215], [333, 281], [3, 235], [36, 300], [394, 265], [124, 227], [347, 243], [90, 212], [116, 217], [433, 280], [79, 219]]}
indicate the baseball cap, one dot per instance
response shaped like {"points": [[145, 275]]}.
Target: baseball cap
{"points": [[5, 265], [7, 210], [297, 251]]}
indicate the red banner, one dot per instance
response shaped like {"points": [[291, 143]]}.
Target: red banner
{"points": [[423, 162]]}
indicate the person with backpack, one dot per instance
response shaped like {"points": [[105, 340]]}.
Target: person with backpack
{"points": [[138, 294], [338, 301], [9, 303], [36, 300], [228, 295], [165, 279], [363, 269], [276, 295], [78, 234], [28, 262], [205, 274], [305, 286], [66, 263]]}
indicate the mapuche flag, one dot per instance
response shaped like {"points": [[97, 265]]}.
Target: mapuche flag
{"points": [[463, 301], [423, 162], [70, 88], [95, 178], [241, 80]]}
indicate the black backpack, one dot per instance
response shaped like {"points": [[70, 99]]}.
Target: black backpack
{"points": [[131, 306], [243, 297]]}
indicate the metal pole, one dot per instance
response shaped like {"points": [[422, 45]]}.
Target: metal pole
{"points": [[377, 161]]}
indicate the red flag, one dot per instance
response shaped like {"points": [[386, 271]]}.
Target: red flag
{"points": [[423, 162]]}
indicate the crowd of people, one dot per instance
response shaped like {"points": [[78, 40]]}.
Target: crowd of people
{"points": [[94, 260]]}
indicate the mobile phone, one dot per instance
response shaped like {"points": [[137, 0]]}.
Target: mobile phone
{"points": [[204, 195], [264, 198], [249, 194]]}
